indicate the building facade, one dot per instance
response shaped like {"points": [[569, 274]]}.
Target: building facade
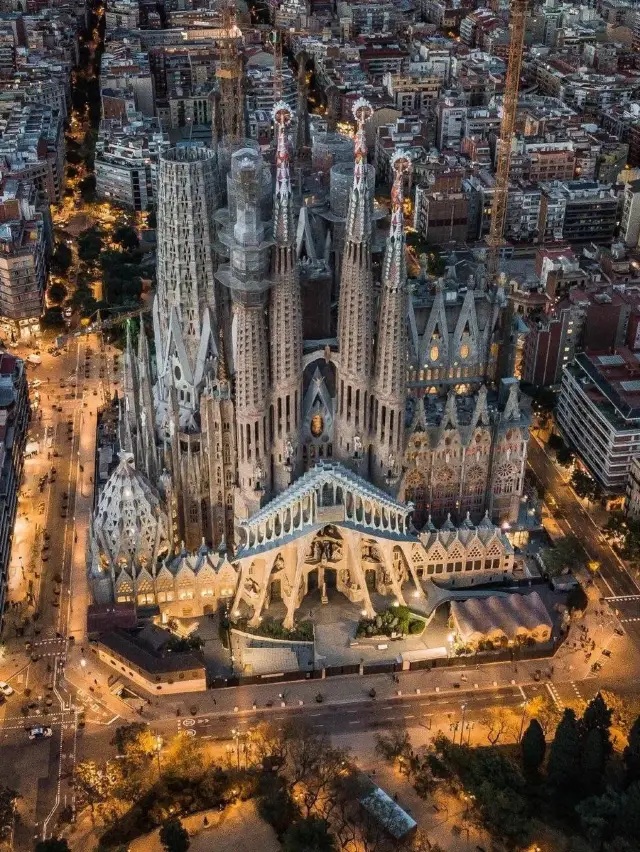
{"points": [[239, 408], [599, 414], [14, 420]]}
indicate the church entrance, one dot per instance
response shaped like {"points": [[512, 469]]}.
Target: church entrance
{"points": [[312, 580], [208, 610], [330, 577], [370, 579], [276, 591]]}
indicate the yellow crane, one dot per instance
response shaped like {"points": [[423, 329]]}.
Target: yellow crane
{"points": [[229, 74], [518, 11]]}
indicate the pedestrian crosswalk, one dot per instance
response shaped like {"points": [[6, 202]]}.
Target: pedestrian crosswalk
{"points": [[622, 598]]}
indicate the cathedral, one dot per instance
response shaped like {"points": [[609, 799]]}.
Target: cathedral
{"points": [[287, 339]]}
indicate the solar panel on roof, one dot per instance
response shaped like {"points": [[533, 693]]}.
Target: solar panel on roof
{"points": [[633, 385], [611, 360]]}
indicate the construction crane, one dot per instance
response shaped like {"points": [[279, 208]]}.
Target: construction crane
{"points": [[275, 40], [229, 74], [518, 10]]}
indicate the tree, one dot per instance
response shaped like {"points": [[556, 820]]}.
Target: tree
{"points": [[393, 745], [134, 740], [136, 745], [593, 760], [93, 782], [577, 600], [308, 835], [7, 808], [89, 245], [597, 815], [52, 844], [87, 187], [586, 486], [542, 708], [52, 318], [563, 768], [174, 836], [184, 756], [629, 818], [275, 804], [126, 237], [564, 456], [631, 754], [565, 556], [61, 259], [597, 717], [56, 293], [533, 746]]}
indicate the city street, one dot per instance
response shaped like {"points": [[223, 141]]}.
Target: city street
{"points": [[613, 580], [48, 562]]}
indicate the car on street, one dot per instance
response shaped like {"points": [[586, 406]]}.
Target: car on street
{"points": [[5, 689], [40, 732]]}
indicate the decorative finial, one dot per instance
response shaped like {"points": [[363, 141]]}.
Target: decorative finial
{"points": [[362, 112]]}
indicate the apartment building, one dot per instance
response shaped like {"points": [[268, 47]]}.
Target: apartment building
{"points": [[14, 419], [598, 413], [578, 211], [23, 266], [32, 146], [127, 154]]}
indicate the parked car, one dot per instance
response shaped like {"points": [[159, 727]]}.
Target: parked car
{"points": [[40, 733], [5, 689]]}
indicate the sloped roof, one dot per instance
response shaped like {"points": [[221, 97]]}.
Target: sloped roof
{"points": [[507, 614]]}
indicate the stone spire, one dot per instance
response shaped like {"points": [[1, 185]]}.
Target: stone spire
{"points": [[358, 227], [285, 316], [247, 278], [389, 383], [147, 437], [282, 212], [355, 307]]}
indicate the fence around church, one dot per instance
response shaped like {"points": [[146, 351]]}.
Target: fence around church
{"points": [[543, 651]]}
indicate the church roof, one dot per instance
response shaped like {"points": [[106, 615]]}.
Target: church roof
{"points": [[315, 478], [329, 486], [130, 522]]}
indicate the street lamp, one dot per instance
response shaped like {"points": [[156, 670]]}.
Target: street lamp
{"points": [[236, 737], [158, 746], [464, 710], [524, 710]]}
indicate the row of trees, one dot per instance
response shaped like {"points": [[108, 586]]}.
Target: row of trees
{"points": [[577, 781]]}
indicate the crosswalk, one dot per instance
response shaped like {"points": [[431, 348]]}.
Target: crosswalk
{"points": [[622, 598]]}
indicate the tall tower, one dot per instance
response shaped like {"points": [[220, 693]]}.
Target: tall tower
{"points": [[184, 308], [355, 307], [184, 318], [247, 278], [390, 370], [285, 319]]}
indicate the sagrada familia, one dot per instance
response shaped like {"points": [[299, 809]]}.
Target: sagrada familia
{"points": [[310, 414]]}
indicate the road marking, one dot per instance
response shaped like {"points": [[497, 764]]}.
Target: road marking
{"points": [[409, 717], [355, 722], [577, 692], [623, 598], [554, 696], [522, 693], [628, 620]]}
